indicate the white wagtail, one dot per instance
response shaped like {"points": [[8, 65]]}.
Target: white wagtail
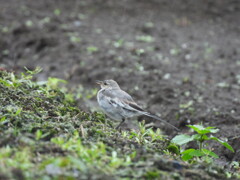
{"points": [[118, 104]]}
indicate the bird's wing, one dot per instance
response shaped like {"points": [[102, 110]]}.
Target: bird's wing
{"points": [[125, 101], [133, 105], [117, 94]]}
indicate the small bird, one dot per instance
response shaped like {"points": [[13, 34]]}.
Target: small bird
{"points": [[119, 105]]}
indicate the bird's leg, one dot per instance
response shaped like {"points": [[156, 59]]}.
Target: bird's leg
{"points": [[123, 120]]}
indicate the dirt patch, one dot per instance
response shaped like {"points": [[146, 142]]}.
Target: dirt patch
{"points": [[179, 59]]}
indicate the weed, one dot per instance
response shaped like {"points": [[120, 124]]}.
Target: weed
{"points": [[92, 49], [57, 12], [149, 25], [144, 135], [174, 51], [118, 43], [200, 137], [73, 37], [145, 38]]}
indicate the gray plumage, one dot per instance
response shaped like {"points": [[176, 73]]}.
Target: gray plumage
{"points": [[118, 104]]}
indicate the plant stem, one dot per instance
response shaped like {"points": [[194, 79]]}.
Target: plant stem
{"points": [[201, 143]]}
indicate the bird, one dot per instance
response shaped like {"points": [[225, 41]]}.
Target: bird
{"points": [[119, 105]]}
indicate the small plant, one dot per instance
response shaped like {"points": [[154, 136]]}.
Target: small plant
{"points": [[53, 83], [95, 154], [14, 82], [139, 52], [92, 49], [140, 136], [118, 43], [201, 137], [38, 134], [73, 37], [146, 38], [149, 25], [236, 165], [144, 135], [57, 12], [174, 51]]}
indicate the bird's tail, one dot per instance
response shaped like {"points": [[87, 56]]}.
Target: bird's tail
{"points": [[158, 118]]}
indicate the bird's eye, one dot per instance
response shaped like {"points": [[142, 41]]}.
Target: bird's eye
{"points": [[105, 83]]}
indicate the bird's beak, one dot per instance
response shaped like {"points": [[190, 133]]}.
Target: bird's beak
{"points": [[99, 82]]}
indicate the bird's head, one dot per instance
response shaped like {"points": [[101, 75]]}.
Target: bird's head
{"points": [[110, 84]]}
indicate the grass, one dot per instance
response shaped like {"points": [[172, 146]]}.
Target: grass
{"points": [[43, 135]]}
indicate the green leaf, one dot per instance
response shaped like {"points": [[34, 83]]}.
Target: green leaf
{"points": [[193, 152], [146, 38], [210, 153], [197, 137], [92, 49], [57, 12], [18, 111], [2, 119], [202, 130], [35, 71], [212, 129], [187, 105], [173, 148], [197, 153], [200, 137], [190, 153], [186, 157], [182, 139], [223, 143], [53, 83], [228, 146], [205, 137], [38, 134], [196, 128]]}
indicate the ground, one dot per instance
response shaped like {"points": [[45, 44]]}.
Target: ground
{"points": [[179, 59]]}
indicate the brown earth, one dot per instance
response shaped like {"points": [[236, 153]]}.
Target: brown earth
{"points": [[180, 58]]}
